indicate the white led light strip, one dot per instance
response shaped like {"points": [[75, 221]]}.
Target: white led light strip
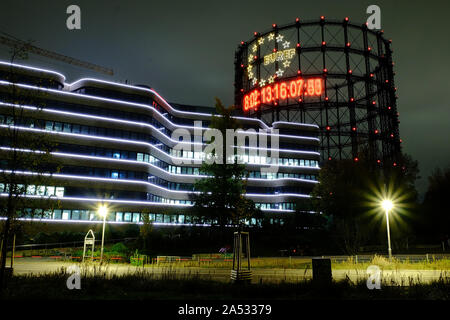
{"points": [[178, 159], [95, 201], [145, 183], [146, 107]]}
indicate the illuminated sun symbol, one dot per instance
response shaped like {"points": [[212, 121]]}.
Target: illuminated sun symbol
{"points": [[279, 73], [250, 75], [262, 83], [254, 48], [280, 38], [271, 36], [260, 41], [254, 81], [286, 63], [250, 59], [286, 44], [270, 80]]}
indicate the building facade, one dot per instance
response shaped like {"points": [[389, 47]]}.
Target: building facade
{"points": [[115, 145]]}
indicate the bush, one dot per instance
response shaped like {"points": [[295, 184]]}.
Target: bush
{"points": [[119, 248]]}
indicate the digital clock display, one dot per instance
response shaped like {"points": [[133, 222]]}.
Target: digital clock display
{"points": [[293, 89]]}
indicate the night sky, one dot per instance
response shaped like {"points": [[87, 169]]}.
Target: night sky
{"points": [[185, 50]]}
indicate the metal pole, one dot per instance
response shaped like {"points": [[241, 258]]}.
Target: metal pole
{"points": [[389, 235], [103, 237]]}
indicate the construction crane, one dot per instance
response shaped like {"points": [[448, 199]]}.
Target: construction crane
{"points": [[12, 41]]}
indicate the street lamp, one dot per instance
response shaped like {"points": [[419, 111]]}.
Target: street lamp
{"points": [[387, 206], [103, 211]]}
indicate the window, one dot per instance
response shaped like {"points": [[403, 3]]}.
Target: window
{"points": [[66, 214], [119, 216], [58, 126], [115, 174], [136, 217], [59, 192], [49, 125], [50, 191], [116, 155], [31, 189], [76, 128], [127, 216], [57, 214], [75, 214], [140, 157], [40, 190], [67, 127], [83, 215]]}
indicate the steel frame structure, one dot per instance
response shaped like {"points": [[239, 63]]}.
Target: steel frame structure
{"points": [[357, 112]]}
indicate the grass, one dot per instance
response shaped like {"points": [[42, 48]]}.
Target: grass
{"points": [[303, 263], [100, 284]]}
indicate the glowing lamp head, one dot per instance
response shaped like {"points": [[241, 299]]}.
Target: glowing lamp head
{"points": [[103, 211], [387, 205]]}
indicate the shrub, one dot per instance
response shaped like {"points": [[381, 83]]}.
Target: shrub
{"points": [[119, 248]]}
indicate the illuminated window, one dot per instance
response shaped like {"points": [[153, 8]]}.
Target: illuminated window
{"points": [[75, 214], [127, 216], [58, 126], [59, 191], [31, 189], [57, 214], [49, 125], [40, 190], [115, 174], [66, 215], [119, 216]]}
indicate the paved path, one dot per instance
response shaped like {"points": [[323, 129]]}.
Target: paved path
{"points": [[43, 265]]}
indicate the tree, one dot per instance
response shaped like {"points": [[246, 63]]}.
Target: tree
{"points": [[26, 163], [146, 229], [436, 205], [349, 193], [221, 198]]}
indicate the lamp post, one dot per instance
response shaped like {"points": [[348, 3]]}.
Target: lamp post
{"points": [[387, 206], [103, 211]]}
